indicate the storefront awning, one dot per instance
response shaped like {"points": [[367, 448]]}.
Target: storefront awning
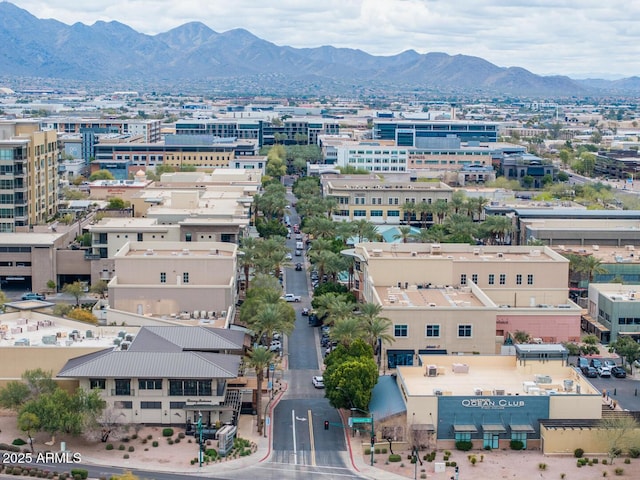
{"points": [[208, 408], [522, 428], [423, 427], [493, 428], [465, 428]]}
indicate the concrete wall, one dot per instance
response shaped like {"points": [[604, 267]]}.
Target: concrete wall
{"points": [[555, 328], [14, 361]]}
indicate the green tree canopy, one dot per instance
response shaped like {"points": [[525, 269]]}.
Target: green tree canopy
{"points": [[101, 175]]}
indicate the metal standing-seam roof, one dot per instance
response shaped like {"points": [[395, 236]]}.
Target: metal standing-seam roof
{"points": [[182, 338], [128, 364]]}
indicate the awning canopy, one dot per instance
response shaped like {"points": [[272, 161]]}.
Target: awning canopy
{"points": [[208, 408], [424, 427], [522, 428], [465, 428], [493, 427]]}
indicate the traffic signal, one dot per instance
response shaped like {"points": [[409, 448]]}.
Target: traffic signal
{"points": [[326, 424], [457, 469]]}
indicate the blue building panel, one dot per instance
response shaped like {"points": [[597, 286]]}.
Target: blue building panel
{"points": [[480, 414]]}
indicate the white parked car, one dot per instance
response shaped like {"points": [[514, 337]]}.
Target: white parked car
{"points": [[318, 381], [604, 371]]}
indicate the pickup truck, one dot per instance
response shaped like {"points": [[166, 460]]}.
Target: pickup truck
{"points": [[290, 297]]}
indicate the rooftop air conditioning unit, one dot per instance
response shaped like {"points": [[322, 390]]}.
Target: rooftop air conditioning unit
{"points": [[185, 251], [149, 251], [437, 392], [432, 371], [535, 253], [595, 247], [477, 391], [500, 254], [414, 254], [498, 391], [630, 248], [476, 251]]}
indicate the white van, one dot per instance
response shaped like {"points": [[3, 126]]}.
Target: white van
{"points": [[299, 246]]}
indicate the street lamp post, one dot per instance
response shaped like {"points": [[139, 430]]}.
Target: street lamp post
{"points": [[199, 431], [373, 431]]}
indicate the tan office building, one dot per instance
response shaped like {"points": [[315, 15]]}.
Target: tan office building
{"points": [[458, 298], [169, 279]]}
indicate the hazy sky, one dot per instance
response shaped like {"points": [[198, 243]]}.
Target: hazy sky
{"points": [[569, 37]]}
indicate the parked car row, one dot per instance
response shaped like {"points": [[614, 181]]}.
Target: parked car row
{"points": [[598, 367]]}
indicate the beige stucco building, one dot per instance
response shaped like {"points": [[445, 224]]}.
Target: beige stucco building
{"points": [[458, 298], [174, 278], [377, 200], [29, 165], [494, 399]]}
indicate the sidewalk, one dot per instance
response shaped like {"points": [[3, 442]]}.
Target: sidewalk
{"points": [[362, 467]]}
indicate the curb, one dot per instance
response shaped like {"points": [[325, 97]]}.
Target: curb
{"points": [[273, 405]]}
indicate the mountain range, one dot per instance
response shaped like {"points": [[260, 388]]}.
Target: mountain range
{"points": [[193, 54]]}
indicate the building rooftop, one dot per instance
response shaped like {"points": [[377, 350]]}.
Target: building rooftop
{"points": [[439, 296], [177, 249], [39, 330], [491, 375]]}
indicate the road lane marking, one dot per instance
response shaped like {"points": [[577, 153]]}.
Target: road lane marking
{"points": [[293, 426], [312, 444]]}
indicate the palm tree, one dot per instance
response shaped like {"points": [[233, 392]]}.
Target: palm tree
{"points": [[320, 227], [273, 317], [422, 236], [404, 233], [259, 359], [476, 207], [591, 266], [409, 210], [460, 229], [365, 230], [375, 327], [247, 257], [498, 228], [346, 330], [423, 211], [323, 260], [440, 209], [458, 200], [333, 306]]}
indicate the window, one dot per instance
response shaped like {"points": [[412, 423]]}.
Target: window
{"points": [[393, 213], [518, 279], [492, 279], [123, 386], [474, 278], [530, 279], [150, 384], [99, 383], [432, 331], [463, 279], [150, 405], [139, 237], [187, 237], [376, 213], [503, 279], [359, 213], [400, 331], [463, 436], [177, 404], [520, 436], [163, 277], [464, 330], [190, 387], [123, 404], [185, 277]]}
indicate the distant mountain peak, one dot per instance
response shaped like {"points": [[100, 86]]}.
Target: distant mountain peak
{"points": [[196, 54]]}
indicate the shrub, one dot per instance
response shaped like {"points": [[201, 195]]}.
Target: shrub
{"points": [[376, 450], [542, 466], [634, 452], [144, 440], [464, 446], [605, 461], [125, 439], [121, 447], [627, 461], [134, 436], [578, 453], [131, 448], [619, 471], [18, 441], [167, 432], [109, 446], [453, 464], [595, 460], [80, 471], [155, 443], [177, 440], [367, 451], [83, 316], [181, 435], [423, 475], [383, 450], [516, 445], [473, 460], [170, 441], [149, 437], [394, 457], [125, 456]]}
